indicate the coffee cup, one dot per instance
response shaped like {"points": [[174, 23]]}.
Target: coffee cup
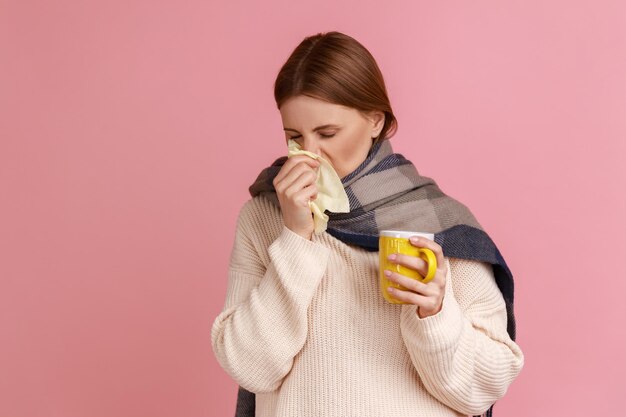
{"points": [[395, 241]]}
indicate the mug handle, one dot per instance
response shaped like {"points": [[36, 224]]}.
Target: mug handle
{"points": [[429, 256]]}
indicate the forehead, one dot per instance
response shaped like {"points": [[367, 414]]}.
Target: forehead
{"points": [[304, 111]]}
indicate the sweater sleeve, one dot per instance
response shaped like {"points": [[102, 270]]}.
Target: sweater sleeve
{"points": [[263, 324], [464, 354]]}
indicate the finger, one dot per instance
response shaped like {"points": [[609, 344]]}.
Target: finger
{"points": [[413, 262], [422, 242], [293, 162], [306, 194], [296, 159], [297, 165], [410, 297], [297, 172], [294, 185], [410, 284]]}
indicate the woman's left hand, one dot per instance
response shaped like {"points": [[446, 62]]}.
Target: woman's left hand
{"points": [[427, 297]]}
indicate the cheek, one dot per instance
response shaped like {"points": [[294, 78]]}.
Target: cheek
{"points": [[354, 143], [343, 154], [350, 155], [344, 151], [350, 151]]}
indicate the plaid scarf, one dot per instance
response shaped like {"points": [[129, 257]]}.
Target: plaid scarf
{"points": [[387, 192]]}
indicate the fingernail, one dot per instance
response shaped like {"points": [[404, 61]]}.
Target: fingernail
{"points": [[392, 257], [387, 272], [415, 239]]}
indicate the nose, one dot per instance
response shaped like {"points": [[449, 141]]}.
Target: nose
{"points": [[310, 144]]}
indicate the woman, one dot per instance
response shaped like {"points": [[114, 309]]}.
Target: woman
{"points": [[305, 330]]}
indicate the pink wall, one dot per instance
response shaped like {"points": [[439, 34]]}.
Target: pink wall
{"points": [[130, 131]]}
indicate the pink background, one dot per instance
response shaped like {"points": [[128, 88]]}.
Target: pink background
{"points": [[131, 130]]}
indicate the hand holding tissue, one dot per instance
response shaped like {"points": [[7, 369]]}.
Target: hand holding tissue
{"points": [[331, 195]]}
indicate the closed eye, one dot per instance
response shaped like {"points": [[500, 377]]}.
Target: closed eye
{"points": [[321, 134]]}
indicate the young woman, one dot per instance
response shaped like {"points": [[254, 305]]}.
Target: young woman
{"points": [[305, 330]]}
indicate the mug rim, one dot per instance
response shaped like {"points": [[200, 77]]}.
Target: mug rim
{"points": [[405, 234]]}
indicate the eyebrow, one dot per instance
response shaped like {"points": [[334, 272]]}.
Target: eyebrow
{"points": [[316, 129]]}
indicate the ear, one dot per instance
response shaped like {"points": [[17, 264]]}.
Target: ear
{"points": [[377, 118]]}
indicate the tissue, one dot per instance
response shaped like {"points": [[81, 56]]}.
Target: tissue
{"points": [[331, 195]]}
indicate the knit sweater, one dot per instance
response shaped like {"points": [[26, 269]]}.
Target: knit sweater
{"points": [[305, 327]]}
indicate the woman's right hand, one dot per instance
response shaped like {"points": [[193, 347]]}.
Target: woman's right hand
{"points": [[295, 186]]}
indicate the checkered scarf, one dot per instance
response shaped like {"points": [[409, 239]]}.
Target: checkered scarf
{"points": [[387, 192]]}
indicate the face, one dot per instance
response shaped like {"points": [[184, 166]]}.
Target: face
{"points": [[341, 135]]}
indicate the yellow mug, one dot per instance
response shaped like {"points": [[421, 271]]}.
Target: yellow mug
{"points": [[394, 241]]}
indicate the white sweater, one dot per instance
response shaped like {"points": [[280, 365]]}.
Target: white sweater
{"points": [[305, 327]]}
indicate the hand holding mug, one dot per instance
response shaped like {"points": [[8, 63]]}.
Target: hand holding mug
{"points": [[413, 270]]}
